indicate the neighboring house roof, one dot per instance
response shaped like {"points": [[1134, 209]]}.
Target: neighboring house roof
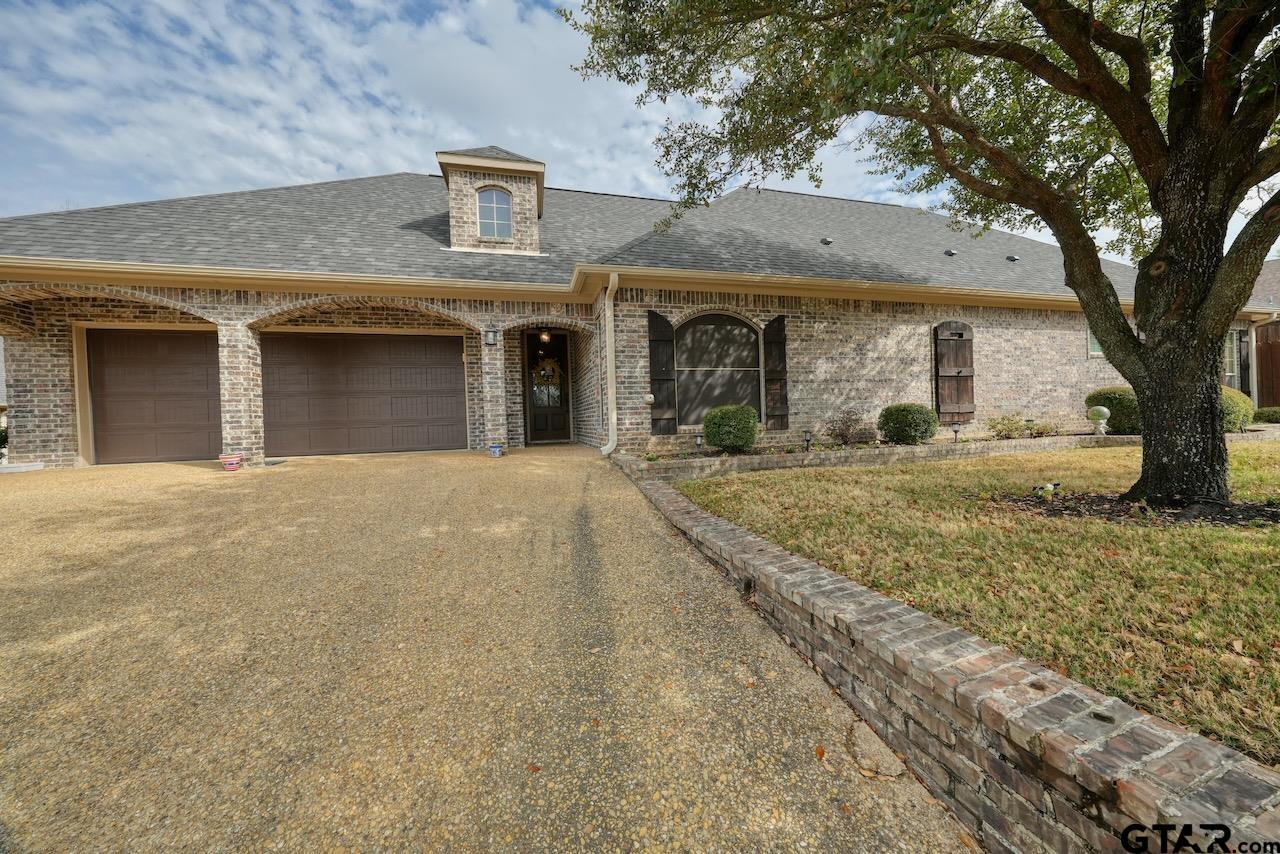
{"points": [[398, 225], [1267, 291], [493, 152]]}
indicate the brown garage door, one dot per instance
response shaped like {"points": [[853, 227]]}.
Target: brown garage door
{"points": [[330, 393], [155, 395]]}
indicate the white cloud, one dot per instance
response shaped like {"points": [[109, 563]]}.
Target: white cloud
{"points": [[103, 102]]}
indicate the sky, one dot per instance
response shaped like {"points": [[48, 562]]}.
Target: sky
{"points": [[118, 101], [110, 102]]}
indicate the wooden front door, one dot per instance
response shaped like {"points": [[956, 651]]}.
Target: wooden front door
{"points": [[546, 386], [1267, 365]]}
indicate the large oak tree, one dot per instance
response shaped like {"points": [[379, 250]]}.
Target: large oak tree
{"points": [[1155, 119]]}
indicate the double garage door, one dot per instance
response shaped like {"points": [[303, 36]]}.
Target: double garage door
{"points": [[155, 394]]}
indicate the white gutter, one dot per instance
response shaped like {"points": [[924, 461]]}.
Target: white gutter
{"points": [[611, 366]]}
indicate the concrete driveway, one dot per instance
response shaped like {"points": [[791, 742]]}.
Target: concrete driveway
{"points": [[415, 650]]}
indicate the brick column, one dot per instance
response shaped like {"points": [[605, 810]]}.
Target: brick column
{"points": [[240, 384], [493, 376]]}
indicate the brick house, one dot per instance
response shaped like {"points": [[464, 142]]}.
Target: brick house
{"points": [[479, 306]]}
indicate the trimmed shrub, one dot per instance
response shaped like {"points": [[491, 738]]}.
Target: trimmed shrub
{"points": [[1267, 415], [731, 428], [907, 424], [1237, 410], [850, 427], [1040, 429], [1123, 403], [1007, 427]]}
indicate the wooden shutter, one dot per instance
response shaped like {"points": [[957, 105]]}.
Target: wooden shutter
{"points": [[953, 368], [777, 412], [662, 375]]}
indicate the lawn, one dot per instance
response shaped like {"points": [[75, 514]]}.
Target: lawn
{"points": [[1180, 620]]}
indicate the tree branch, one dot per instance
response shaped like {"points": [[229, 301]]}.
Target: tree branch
{"points": [[1032, 60], [1238, 273], [1266, 165], [1075, 32]]}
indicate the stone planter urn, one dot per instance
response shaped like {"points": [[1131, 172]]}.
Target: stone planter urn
{"points": [[1099, 415]]}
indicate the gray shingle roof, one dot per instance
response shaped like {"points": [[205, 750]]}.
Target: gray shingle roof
{"points": [[492, 151], [1267, 291], [397, 225], [780, 233], [392, 225]]}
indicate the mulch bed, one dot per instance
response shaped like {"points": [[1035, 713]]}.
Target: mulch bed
{"points": [[1115, 509]]}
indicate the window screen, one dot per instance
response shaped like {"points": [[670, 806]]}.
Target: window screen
{"points": [[717, 363]]}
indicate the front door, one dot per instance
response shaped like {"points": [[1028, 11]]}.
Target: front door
{"points": [[547, 385]]}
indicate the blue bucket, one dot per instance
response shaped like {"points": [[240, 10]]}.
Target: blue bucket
{"points": [[495, 450]]}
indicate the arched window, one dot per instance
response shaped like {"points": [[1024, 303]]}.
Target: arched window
{"points": [[495, 212], [717, 361]]}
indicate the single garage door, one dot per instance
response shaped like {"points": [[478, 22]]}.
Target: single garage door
{"points": [[154, 395], [331, 393]]}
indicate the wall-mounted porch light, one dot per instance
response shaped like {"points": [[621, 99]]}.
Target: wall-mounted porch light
{"points": [[544, 336], [491, 337]]}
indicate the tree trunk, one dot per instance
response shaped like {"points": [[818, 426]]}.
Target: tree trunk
{"points": [[1184, 451]]}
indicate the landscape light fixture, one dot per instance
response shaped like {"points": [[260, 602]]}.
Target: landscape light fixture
{"points": [[808, 439], [955, 432], [697, 441]]}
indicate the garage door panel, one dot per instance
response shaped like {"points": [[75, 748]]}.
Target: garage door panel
{"points": [[182, 412], [368, 377], [285, 378], [154, 395], [173, 444], [363, 393]]}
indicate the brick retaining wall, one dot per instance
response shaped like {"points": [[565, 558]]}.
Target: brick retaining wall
{"points": [[1027, 759], [697, 468]]}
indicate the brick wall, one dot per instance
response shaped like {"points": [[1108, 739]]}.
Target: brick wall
{"points": [[40, 369], [40, 373], [464, 214], [867, 354], [1029, 760]]}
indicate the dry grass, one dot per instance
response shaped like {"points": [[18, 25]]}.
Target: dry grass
{"points": [[1183, 621]]}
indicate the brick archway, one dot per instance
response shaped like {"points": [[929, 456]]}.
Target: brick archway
{"points": [[301, 308]]}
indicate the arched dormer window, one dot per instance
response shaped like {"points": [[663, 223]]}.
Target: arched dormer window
{"points": [[495, 213], [717, 362]]}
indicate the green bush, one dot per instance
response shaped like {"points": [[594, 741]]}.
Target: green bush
{"points": [[1040, 429], [907, 424], [1123, 403], [1007, 427], [4, 438], [1237, 410], [731, 428], [1267, 415]]}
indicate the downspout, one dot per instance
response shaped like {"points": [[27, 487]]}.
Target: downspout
{"points": [[611, 366]]}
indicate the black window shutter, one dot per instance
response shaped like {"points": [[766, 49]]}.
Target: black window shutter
{"points": [[662, 375], [1242, 348], [777, 412]]}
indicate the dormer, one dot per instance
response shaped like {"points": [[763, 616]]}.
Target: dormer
{"points": [[495, 199]]}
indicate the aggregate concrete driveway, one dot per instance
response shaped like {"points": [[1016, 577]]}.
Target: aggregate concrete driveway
{"points": [[406, 651]]}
